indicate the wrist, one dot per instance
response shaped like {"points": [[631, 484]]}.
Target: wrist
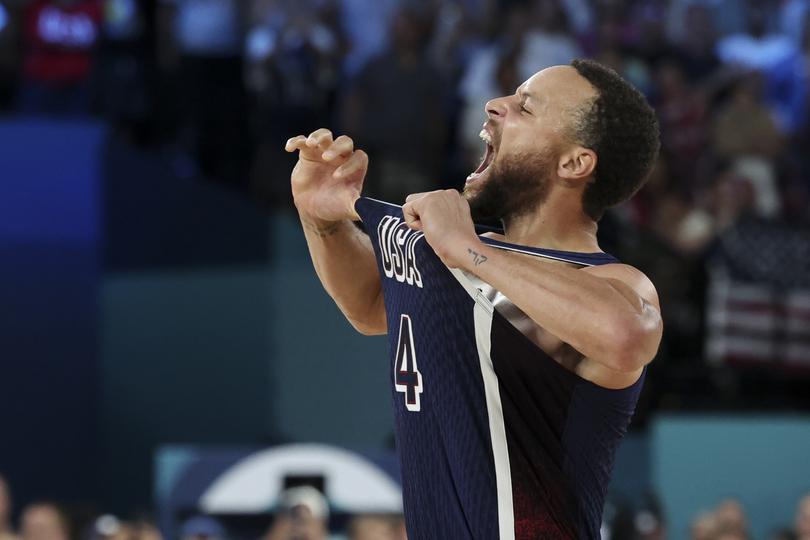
{"points": [[473, 255], [319, 227]]}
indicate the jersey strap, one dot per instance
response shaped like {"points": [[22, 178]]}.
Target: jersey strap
{"points": [[582, 259]]}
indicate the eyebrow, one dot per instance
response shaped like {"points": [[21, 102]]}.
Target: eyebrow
{"points": [[524, 96]]}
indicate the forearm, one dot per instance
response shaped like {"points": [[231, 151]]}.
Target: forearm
{"points": [[344, 261], [589, 313]]}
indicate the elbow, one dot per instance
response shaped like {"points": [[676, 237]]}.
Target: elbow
{"points": [[368, 329], [370, 326], [370, 320]]}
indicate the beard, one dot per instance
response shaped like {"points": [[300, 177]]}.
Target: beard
{"points": [[514, 188]]}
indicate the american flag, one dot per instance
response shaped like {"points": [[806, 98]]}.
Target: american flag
{"points": [[758, 299]]}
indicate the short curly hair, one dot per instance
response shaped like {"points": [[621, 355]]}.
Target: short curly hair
{"points": [[621, 127]]}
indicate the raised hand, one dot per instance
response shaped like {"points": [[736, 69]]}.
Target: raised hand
{"points": [[444, 217], [328, 177]]}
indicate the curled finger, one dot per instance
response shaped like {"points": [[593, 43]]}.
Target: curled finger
{"points": [[295, 143], [319, 137], [357, 162], [342, 147]]}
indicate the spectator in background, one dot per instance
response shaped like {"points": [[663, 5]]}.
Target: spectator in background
{"points": [[375, 527], [728, 17], [704, 527], [535, 36], [108, 527], [44, 521], [731, 518], [6, 532], [682, 114], [757, 47], [802, 521], [395, 110], [730, 197], [295, 53], [202, 528], [697, 47], [744, 126], [60, 39], [367, 25], [304, 515], [201, 43], [649, 28], [549, 40], [492, 70], [726, 522], [370, 528], [611, 46], [144, 529], [777, 58]]}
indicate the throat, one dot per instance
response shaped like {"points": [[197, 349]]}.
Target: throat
{"points": [[550, 227]]}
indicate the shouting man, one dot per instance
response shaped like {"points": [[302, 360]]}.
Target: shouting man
{"points": [[517, 358]]}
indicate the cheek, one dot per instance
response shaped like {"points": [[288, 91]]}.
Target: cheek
{"points": [[521, 139]]}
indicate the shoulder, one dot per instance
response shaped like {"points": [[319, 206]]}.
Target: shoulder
{"points": [[629, 277]]}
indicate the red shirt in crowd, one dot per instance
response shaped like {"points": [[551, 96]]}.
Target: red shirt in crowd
{"points": [[60, 37]]}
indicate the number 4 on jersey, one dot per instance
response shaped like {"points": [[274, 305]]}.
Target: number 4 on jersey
{"points": [[407, 378]]}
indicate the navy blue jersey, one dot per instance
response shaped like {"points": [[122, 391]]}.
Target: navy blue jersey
{"points": [[496, 440]]}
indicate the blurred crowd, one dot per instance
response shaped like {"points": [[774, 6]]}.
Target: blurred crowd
{"points": [[217, 86], [726, 521], [304, 514], [48, 520]]}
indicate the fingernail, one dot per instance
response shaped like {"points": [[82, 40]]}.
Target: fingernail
{"points": [[328, 155]]}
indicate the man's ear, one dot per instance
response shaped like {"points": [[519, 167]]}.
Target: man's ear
{"points": [[577, 165]]}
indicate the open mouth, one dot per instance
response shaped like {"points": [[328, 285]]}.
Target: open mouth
{"points": [[489, 156]]}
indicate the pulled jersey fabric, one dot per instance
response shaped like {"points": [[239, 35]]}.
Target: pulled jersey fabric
{"points": [[496, 440]]}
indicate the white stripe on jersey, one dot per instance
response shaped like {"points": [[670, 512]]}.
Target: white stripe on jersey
{"points": [[482, 313]]}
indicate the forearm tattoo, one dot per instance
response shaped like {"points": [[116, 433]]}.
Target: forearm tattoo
{"points": [[478, 258]]}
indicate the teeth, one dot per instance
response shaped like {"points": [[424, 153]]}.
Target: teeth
{"points": [[485, 136]]}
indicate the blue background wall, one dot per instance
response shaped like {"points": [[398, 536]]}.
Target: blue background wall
{"points": [[761, 460], [49, 275]]}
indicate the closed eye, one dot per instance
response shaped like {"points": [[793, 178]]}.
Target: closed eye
{"points": [[524, 109]]}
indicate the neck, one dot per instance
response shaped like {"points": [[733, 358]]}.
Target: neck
{"points": [[557, 223]]}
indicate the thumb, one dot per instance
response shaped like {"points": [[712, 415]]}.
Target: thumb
{"points": [[411, 215]]}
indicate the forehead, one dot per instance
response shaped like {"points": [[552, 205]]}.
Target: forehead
{"points": [[560, 85]]}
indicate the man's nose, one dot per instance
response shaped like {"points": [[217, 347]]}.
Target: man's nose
{"points": [[496, 107]]}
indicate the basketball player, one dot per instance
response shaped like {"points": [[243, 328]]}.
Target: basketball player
{"points": [[517, 358]]}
